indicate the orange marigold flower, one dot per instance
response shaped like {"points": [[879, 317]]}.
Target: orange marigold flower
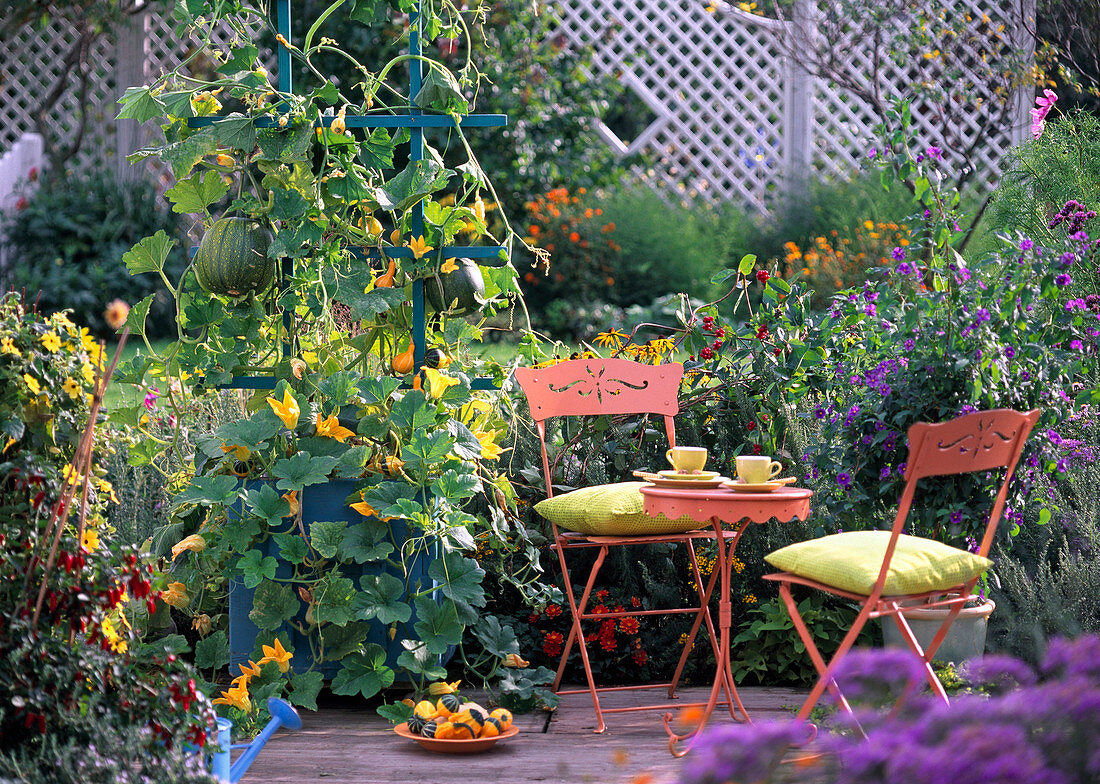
{"points": [[534, 230], [589, 213], [574, 237], [599, 211], [608, 227]]}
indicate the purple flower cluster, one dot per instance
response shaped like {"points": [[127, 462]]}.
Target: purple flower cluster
{"points": [[1074, 215], [1027, 727]]}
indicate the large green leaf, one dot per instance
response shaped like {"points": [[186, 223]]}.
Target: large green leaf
{"points": [[412, 412], [149, 254], [266, 502], [364, 674], [339, 641], [240, 531], [441, 91], [382, 597], [363, 542], [197, 192], [272, 604], [418, 179], [460, 579], [332, 597], [209, 491], [284, 145], [292, 547], [425, 449], [255, 566], [304, 689], [437, 624], [139, 103], [184, 154], [376, 151], [135, 319], [236, 132], [250, 433], [212, 652], [455, 486], [301, 470], [496, 638], [325, 536], [419, 661]]}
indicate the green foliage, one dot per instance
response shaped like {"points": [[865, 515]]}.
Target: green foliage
{"points": [[665, 247], [67, 245], [1043, 174], [769, 651]]}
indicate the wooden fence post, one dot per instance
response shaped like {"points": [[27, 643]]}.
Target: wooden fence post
{"points": [[799, 89], [131, 57]]}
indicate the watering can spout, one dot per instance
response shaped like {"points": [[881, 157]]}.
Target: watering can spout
{"points": [[282, 715]]}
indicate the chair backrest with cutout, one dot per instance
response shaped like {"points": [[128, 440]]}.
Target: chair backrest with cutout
{"points": [[977, 442], [588, 387]]}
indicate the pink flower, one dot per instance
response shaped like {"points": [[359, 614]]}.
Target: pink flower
{"points": [[151, 398], [1039, 114]]}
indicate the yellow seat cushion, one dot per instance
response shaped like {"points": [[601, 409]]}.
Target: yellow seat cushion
{"points": [[851, 562], [610, 510]]}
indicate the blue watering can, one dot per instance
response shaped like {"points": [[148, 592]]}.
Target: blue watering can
{"points": [[282, 715]]}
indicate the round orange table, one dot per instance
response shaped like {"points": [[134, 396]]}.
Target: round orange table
{"points": [[719, 507]]}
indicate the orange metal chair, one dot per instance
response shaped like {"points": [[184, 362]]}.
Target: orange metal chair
{"points": [[978, 442], [588, 387]]}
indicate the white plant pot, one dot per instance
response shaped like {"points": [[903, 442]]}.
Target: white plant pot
{"points": [[965, 639]]}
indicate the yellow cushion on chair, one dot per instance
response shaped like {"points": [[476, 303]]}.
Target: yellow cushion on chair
{"points": [[851, 562], [610, 510]]}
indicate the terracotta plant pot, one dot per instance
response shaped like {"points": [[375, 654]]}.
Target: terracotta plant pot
{"points": [[965, 639]]}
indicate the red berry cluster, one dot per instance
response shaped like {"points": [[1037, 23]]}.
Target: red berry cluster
{"points": [[710, 351]]}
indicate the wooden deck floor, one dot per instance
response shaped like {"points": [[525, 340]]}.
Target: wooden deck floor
{"points": [[348, 744]]}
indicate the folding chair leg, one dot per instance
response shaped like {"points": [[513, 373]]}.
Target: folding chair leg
{"points": [[576, 634], [825, 680], [703, 614], [927, 655]]}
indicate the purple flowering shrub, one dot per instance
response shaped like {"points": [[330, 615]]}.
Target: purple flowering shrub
{"points": [[1026, 727], [935, 337]]}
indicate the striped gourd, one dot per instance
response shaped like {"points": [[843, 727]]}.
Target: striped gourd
{"points": [[232, 258]]}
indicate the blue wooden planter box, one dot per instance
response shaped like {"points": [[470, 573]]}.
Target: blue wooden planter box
{"points": [[321, 503]]}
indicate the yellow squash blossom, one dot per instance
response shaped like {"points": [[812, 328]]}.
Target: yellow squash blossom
{"points": [[236, 697], [175, 595], [194, 543], [239, 452], [288, 410], [419, 247], [276, 653], [514, 660], [253, 670], [450, 265], [107, 488], [291, 497], [332, 428], [490, 449], [7, 346], [365, 509], [32, 384], [50, 342], [442, 687], [438, 383]]}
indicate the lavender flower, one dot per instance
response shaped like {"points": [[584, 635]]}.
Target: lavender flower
{"points": [[844, 480]]}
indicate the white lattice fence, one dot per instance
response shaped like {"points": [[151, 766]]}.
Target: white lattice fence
{"points": [[146, 47], [736, 118]]}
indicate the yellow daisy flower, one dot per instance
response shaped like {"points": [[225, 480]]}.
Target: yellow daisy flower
{"points": [[50, 342]]}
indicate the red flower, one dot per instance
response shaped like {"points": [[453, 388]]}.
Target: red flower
{"points": [[21, 203], [599, 609], [552, 643], [629, 625], [553, 611], [635, 602], [603, 593], [640, 657], [533, 617]]}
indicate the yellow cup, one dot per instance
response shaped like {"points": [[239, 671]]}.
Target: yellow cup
{"points": [[687, 458], [757, 469]]}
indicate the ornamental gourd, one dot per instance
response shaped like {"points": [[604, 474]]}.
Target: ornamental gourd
{"points": [[458, 293], [232, 258]]}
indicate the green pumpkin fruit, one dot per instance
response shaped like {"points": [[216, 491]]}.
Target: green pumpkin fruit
{"points": [[457, 293], [232, 258]]}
